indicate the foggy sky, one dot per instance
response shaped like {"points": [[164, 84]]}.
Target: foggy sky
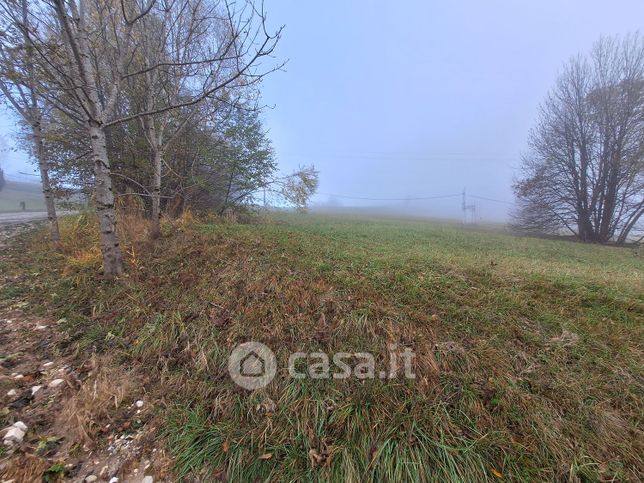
{"points": [[418, 98]]}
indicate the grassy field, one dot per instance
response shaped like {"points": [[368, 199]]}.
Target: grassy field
{"points": [[528, 352], [14, 192]]}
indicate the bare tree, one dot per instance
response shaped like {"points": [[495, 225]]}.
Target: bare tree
{"points": [[194, 49], [585, 169], [17, 84]]}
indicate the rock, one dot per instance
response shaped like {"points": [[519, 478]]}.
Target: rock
{"points": [[19, 376], [148, 479], [56, 382], [23, 400], [91, 478], [35, 389], [20, 425], [48, 364], [12, 393], [139, 404], [14, 436], [114, 479], [40, 327]]}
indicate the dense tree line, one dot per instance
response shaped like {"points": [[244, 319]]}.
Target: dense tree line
{"points": [[157, 99], [584, 173]]}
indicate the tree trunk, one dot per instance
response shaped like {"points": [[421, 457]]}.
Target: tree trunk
{"points": [[112, 258], [156, 194], [39, 151], [626, 230]]}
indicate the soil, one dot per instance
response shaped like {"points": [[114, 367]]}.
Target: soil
{"points": [[97, 421]]}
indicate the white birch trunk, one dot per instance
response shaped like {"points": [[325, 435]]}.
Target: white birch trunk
{"points": [[112, 258], [156, 193], [39, 152]]}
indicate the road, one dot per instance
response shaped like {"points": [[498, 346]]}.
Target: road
{"points": [[7, 219], [12, 224]]}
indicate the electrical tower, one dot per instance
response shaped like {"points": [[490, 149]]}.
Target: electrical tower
{"points": [[471, 208]]}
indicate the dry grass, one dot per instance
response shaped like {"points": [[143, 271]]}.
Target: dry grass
{"points": [[93, 405], [23, 467], [528, 368]]}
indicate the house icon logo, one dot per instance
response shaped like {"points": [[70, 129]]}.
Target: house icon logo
{"points": [[252, 365]]}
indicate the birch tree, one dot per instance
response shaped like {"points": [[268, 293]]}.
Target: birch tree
{"points": [[88, 49], [194, 49], [18, 87]]}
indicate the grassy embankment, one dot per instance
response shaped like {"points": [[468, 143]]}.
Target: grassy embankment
{"points": [[14, 192], [528, 352]]}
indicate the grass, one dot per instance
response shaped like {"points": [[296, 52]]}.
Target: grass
{"points": [[528, 352], [14, 192]]}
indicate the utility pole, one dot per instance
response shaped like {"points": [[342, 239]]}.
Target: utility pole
{"points": [[464, 207]]}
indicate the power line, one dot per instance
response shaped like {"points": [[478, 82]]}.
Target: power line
{"points": [[389, 199], [491, 199], [364, 198]]}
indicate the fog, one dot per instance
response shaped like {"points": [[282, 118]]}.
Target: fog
{"points": [[419, 99], [416, 99]]}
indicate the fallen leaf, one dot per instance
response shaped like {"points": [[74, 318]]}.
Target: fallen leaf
{"points": [[266, 456], [497, 473], [226, 445]]}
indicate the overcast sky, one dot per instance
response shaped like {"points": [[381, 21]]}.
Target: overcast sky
{"points": [[418, 98]]}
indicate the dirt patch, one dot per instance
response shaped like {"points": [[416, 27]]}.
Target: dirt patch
{"points": [[85, 416]]}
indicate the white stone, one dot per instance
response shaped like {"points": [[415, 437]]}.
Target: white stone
{"points": [[114, 479], [56, 382], [48, 364], [91, 478], [12, 393], [14, 435], [19, 376], [139, 404], [35, 389], [148, 479], [40, 327], [20, 425]]}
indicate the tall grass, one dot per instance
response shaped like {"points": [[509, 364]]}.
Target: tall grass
{"points": [[528, 352]]}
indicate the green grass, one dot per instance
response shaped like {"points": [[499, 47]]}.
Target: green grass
{"points": [[14, 192], [528, 351]]}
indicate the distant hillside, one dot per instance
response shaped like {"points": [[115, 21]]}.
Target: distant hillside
{"points": [[15, 191]]}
